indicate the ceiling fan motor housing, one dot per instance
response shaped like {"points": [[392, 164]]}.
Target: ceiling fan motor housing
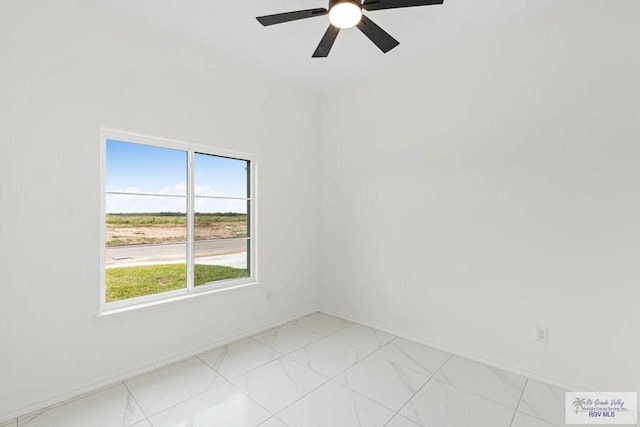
{"points": [[334, 2]]}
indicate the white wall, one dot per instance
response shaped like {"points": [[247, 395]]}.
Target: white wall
{"points": [[493, 189], [67, 69]]}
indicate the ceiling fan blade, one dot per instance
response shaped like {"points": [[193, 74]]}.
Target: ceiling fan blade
{"points": [[323, 49], [279, 18], [377, 35], [392, 4]]}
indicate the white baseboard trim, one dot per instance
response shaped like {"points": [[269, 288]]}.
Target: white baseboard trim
{"points": [[458, 352], [114, 381]]}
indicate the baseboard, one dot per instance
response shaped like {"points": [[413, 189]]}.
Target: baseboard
{"points": [[458, 352], [113, 381]]}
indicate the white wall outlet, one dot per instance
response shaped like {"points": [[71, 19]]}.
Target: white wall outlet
{"points": [[268, 296], [542, 335]]}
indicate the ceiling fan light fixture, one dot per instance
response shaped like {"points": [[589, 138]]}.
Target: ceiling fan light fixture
{"points": [[345, 14], [348, 14]]}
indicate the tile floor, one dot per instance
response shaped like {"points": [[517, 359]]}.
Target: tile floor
{"points": [[316, 371]]}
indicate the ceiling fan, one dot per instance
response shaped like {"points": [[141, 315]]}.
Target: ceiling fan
{"points": [[347, 14]]}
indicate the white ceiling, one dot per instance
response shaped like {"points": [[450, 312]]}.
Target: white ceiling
{"points": [[284, 51]]}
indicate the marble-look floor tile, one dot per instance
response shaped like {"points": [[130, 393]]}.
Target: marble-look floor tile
{"points": [[273, 422], [400, 421], [287, 337], [328, 357], [336, 406], [166, 387], [321, 323], [413, 355], [493, 383], [438, 404], [225, 405], [365, 338], [543, 401], [279, 383], [237, 358], [523, 420], [108, 408], [374, 374], [383, 381]]}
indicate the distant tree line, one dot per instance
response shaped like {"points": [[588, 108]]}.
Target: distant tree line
{"points": [[180, 218], [178, 214]]}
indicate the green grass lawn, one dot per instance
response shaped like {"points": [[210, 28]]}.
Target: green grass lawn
{"points": [[130, 282]]}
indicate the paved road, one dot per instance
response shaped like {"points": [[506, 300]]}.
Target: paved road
{"points": [[230, 252]]}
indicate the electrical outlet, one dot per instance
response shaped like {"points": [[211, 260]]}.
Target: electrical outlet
{"points": [[542, 335], [268, 296]]}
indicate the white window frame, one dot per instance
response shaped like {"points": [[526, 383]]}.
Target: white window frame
{"points": [[191, 290]]}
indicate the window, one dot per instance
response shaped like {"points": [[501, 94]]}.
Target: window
{"points": [[177, 219]]}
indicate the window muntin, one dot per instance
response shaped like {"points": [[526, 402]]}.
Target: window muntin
{"points": [[176, 219]]}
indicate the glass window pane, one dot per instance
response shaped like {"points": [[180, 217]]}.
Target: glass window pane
{"points": [[220, 176], [146, 247], [220, 260], [220, 218], [138, 168]]}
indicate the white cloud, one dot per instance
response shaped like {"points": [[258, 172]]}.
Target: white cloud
{"points": [[133, 204], [179, 189], [124, 190]]}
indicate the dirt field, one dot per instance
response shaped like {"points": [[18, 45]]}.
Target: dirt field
{"points": [[120, 235]]}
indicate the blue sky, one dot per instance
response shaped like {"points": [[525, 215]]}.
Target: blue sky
{"points": [[137, 168]]}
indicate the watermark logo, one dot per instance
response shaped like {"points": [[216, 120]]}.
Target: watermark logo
{"points": [[601, 408], [579, 403]]}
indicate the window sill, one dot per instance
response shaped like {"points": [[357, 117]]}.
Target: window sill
{"points": [[151, 307]]}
